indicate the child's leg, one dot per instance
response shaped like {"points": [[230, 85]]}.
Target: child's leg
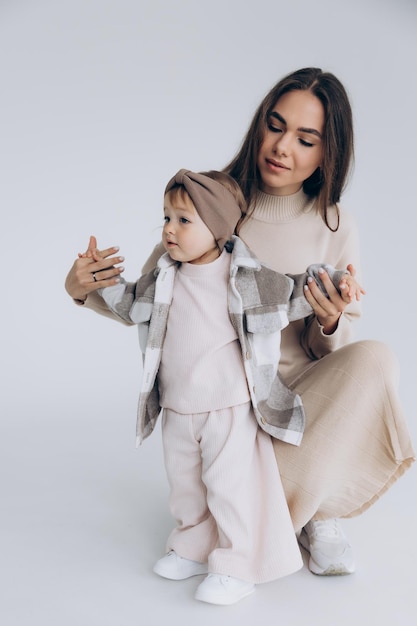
{"points": [[227, 496], [257, 541], [196, 533]]}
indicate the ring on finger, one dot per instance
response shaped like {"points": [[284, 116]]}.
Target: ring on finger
{"points": [[94, 277]]}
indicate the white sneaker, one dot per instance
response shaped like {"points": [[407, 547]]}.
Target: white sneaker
{"points": [[220, 589], [330, 552], [175, 567]]}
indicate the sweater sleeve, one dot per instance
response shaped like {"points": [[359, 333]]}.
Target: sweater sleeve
{"points": [[316, 344]]}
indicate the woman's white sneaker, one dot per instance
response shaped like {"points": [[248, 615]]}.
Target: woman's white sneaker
{"points": [[220, 589], [174, 567], [330, 552]]}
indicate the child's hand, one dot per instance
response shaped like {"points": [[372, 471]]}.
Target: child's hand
{"points": [[92, 251], [350, 289], [93, 269], [328, 309]]}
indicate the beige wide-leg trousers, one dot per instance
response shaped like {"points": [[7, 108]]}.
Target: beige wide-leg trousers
{"points": [[226, 495]]}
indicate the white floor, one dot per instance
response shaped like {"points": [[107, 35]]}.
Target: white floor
{"points": [[84, 517]]}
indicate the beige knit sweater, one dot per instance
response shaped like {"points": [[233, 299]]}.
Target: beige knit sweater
{"points": [[287, 233]]}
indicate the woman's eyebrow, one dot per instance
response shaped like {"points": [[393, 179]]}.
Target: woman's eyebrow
{"points": [[310, 131], [277, 116], [302, 129]]}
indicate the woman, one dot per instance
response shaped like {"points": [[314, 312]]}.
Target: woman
{"points": [[292, 168]]}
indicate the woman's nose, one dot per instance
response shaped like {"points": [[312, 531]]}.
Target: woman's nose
{"points": [[283, 145]]}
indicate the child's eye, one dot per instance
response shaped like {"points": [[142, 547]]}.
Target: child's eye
{"points": [[184, 220], [166, 219]]}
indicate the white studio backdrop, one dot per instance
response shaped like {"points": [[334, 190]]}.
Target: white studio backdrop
{"points": [[101, 102]]}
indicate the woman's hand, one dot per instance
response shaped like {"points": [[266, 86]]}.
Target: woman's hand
{"points": [[93, 269], [329, 309]]}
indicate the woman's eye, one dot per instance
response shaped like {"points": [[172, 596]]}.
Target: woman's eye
{"points": [[308, 144], [274, 129]]}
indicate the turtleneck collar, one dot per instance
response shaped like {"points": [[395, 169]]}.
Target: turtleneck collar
{"points": [[270, 208]]}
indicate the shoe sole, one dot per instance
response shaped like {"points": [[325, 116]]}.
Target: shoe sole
{"points": [[336, 569], [223, 601], [333, 570]]}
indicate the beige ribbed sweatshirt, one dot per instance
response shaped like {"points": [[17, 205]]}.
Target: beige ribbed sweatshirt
{"points": [[201, 367]]}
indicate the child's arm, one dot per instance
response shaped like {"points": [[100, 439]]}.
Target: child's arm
{"points": [[330, 294], [326, 290], [344, 282], [121, 297]]}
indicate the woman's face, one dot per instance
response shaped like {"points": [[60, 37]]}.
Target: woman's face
{"points": [[292, 147]]}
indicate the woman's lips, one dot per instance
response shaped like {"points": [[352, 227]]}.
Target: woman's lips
{"points": [[276, 165]]}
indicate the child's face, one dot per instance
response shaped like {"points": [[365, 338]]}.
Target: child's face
{"points": [[185, 236]]}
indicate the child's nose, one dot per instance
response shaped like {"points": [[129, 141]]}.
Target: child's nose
{"points": [[169, 227]]}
